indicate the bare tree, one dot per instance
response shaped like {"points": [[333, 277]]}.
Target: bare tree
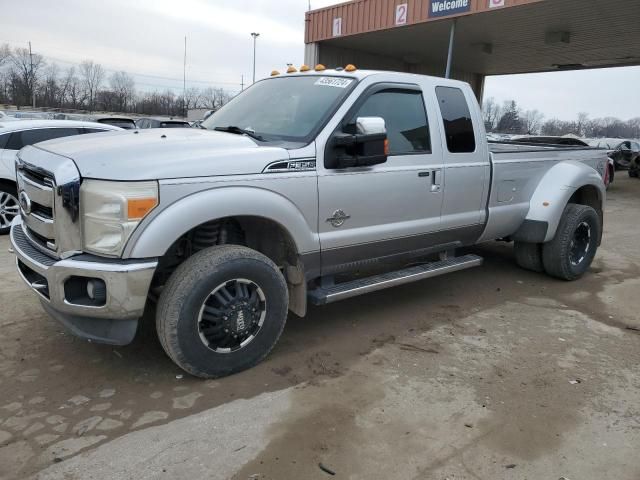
{"points": [[26, 70], [192, 98], [49, 86], [92, 76], [214, 98], [532, 121], [5, 53], [491, 112], [123, 86], [72, 90], [581, 124]]}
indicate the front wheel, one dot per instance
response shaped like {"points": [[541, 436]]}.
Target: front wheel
{"points": [[222, 311], [569, 255], [9, 208]]}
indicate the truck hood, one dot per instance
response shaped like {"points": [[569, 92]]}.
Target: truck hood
{"points": [[156, 154]]}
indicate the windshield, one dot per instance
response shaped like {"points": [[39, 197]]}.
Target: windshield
{"points": [[289, 109]]}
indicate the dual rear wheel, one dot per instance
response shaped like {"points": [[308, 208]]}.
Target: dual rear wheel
{"points": [[569, 255]]}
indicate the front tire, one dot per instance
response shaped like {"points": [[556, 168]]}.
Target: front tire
{"points": [[569, 255], [222, 311], [9, 207]]}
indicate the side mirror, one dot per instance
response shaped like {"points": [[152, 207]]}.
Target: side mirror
{"points": [[366, 147]]}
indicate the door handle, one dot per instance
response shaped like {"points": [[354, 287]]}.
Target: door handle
{"points": [[424, 174], [435, 181]]}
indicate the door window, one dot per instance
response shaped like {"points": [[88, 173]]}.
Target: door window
{"points": [[405, 119], [3, 140], [21, 139], [458, 126]]}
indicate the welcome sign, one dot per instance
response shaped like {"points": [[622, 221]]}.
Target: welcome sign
{"points": [[442, 8]]}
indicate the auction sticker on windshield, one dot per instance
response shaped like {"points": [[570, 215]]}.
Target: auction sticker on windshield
{"points": [[334, 82]]}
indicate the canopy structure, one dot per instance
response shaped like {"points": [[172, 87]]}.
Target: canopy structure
{"points": [[485, 37]]}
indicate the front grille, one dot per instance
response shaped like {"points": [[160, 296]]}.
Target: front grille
{"points": [[38, 177], [38, 186], [42, 211]]}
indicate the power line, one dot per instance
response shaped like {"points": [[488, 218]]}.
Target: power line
{"points": [[146, 75]]}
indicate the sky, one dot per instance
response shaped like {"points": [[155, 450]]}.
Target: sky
{"points": [[146, 39]]}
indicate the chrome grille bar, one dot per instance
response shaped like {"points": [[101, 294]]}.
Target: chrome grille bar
{"points": [[48, 191]]}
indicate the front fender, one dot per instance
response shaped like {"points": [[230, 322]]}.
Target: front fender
{"points": [[157, 234], [551, 196]]}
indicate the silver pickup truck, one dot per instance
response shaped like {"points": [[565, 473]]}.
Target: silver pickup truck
{"points": [[307, 187]]}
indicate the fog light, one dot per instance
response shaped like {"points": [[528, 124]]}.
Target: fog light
{"points": [[97, 290]]}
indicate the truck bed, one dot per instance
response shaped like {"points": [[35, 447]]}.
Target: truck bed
{"points": [[517, 170], [517, 147]]}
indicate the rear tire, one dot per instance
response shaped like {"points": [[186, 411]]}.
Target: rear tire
{"points": [[9, 206], [222, 311], [569, 255], [529, 256]]}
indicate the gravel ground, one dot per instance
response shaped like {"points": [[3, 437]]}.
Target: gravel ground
{"points": [[492, 373]]}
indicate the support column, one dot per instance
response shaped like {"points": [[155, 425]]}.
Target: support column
{"points": [[452, 36]]}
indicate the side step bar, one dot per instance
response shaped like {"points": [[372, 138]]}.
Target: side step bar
{"points": [[324, 295]]}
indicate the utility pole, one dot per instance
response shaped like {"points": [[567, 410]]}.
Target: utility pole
{"points": [[255, 36], [33, 82], [184, 80]]}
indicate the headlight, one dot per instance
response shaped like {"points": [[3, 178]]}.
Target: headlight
{"points": [[111, 211]]}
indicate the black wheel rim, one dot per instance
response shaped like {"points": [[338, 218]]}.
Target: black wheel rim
{"points": [[8, 209], [580, 243], [232, 315]]}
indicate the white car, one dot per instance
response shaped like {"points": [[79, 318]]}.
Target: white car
{"points": [[17, 134]]}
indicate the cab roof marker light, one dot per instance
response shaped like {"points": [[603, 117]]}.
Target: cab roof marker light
{"points": [[292, 69], [350, 68], [275, 73], [305, 68], [320, 68]]}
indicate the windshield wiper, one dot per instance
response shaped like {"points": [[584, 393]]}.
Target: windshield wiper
{"points": [[239, 131]]}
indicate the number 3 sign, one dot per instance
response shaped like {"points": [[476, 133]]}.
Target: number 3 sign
{"points": [[401, 14]]}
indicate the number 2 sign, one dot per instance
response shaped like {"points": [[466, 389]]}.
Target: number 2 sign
{"points": [[401, 14]]}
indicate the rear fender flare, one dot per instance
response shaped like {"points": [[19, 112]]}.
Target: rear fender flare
{"points": [[551, 196]]}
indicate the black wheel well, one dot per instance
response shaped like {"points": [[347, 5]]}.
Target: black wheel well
{"points": [[261, 234], [7, 183], [590, 196]]}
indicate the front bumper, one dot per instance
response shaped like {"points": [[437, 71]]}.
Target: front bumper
{"points": [[127, 283]]}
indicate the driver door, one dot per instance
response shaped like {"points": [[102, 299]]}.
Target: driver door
{"points": [[389, 209]]}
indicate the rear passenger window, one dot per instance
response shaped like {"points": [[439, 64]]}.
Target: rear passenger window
{"points": [[458, 126], [3, 140], [19, 140], [405, 118]]}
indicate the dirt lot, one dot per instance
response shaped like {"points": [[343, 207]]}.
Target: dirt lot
{"points": [[490, 373]]}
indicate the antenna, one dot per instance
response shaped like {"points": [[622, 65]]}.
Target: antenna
{"points": [[184, 80]]}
